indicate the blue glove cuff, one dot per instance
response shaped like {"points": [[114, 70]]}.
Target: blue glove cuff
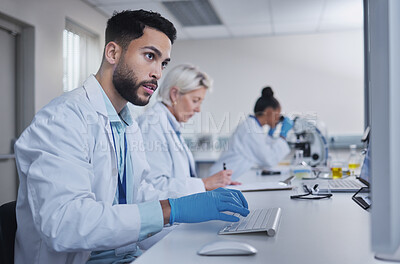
{"points": [[287, 124], [172, 214]]}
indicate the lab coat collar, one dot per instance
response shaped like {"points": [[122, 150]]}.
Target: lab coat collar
{"points": [[176, 126], [124, 115], [96, 95], [255, 118], [93, 90]]}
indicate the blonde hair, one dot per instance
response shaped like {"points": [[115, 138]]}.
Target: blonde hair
{"points": [[186, 78]]}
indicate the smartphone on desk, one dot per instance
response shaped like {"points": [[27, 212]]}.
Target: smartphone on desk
{"points": [[269, 172]]}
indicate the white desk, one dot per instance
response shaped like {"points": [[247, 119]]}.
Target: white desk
{"points": [[325, 231]]}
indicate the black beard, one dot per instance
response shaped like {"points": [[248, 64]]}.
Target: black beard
{"points": [[125, 82]]}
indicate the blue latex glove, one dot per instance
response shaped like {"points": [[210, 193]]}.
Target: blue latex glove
{"points": [[271, 131], [237, 194], [287, 124], [205, 206]]}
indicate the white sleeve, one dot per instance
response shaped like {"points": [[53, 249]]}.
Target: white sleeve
{"points": [[265, 150], [53, 160], [164, 183]]}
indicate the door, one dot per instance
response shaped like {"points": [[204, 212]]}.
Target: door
{"points": [[8, 173]]}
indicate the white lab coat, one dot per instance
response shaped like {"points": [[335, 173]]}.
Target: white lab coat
{"points": [[68, 177], [168, 156], [250, 146]]}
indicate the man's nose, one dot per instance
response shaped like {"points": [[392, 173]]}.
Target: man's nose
{"points": [[156, 73]]}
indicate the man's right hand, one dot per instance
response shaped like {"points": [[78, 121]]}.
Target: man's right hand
{"points": [[206, 206]]}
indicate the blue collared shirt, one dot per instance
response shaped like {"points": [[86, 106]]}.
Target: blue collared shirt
{"points": [[149, 212], [118, 126]]}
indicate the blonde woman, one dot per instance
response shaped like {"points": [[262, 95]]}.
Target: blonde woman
{"points": [[172, 167]]}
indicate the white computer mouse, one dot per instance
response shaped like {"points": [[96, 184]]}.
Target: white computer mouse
{"points": [[226, 248]]}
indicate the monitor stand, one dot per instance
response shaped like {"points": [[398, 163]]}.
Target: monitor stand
{"points": [[394, 257]]}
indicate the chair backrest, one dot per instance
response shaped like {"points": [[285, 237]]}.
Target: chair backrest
{"points": [[8, 226]]}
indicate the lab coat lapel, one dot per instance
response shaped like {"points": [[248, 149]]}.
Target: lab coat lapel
{"points": [[176, 138], [92, 87], [191, 159], [140, 166], [179, 141], [171, 130]]}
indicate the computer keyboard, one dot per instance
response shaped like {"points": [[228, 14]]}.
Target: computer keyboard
{"points": [[348, 184], [258, 220]]}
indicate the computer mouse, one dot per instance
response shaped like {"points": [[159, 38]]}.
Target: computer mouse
{"points": [[227, 248]]}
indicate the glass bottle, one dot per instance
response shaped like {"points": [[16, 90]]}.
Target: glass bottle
{"points": [[354, 161], [298, 157], [300, 168]]}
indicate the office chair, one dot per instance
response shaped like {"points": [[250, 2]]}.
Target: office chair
{"points": [[8, 227]]}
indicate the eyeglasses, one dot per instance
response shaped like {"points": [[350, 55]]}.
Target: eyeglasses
{"points": [[311, 194], [364, 202]]}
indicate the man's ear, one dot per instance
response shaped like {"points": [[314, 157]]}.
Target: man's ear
{"points": [[112, 52], [174, 94]]}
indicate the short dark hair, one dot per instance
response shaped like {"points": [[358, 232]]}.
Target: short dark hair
{"points": [[266, 100], [125, 26]]}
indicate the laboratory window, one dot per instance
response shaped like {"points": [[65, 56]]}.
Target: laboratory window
{"points": [[81, 54]]}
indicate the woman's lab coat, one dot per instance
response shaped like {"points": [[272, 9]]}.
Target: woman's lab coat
{"points": [[68, 177], [250, 146], [169, 157]]}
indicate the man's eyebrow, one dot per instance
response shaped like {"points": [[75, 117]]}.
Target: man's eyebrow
{"points": [[153, 49], [156, 51]]}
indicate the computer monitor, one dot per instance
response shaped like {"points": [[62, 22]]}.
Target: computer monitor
{"points": [[383, 62]]}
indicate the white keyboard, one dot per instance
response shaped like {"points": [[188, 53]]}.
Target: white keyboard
{"points": [[346, 184], [258, 220]]}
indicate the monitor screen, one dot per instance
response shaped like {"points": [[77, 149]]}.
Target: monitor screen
{"points": [[365, 174]]}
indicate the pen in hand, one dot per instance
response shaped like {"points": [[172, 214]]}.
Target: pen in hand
{"points": [[232, 182]]}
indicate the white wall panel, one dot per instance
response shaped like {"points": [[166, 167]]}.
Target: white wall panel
{"points": [[320, 74], [48, 19]]}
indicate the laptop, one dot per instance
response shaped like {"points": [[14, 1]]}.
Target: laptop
{"points": [[349, 184]]}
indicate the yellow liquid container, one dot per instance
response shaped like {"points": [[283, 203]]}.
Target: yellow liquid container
{"points": [[337, 172], [354, 166], [354, 161]]}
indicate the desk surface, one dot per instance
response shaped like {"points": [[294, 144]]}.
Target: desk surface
{"points": [[325, 231]]}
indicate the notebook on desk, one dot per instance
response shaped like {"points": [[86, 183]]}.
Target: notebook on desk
{"points": [[261, 186]]}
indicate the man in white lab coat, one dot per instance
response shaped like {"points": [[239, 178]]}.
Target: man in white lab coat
{"points": [[81, 160]]}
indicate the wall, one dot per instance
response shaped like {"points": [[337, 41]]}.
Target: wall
{"points": [[318, 74], [48, 19], [315, 73]]}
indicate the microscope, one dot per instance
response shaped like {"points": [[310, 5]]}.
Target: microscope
{"points": [[307, 137]]}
